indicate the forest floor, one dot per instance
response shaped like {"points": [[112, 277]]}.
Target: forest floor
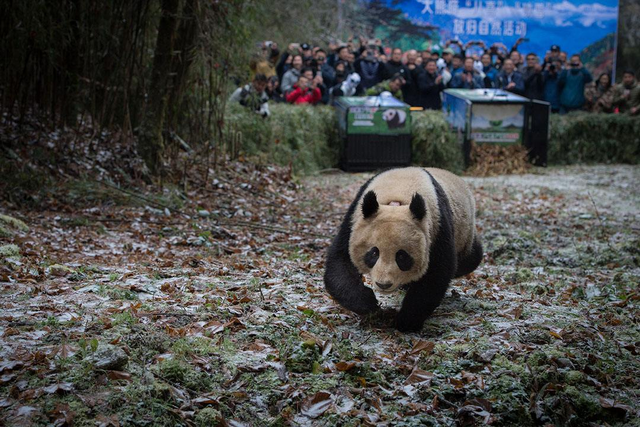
{"points": [[130, 309]]}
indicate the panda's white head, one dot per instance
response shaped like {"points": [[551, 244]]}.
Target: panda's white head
{"points": [[390, 242]]}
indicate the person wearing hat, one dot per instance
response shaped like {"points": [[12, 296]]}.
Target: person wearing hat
{"points": [[571, 84], [447, 55], [553, 55], [307, 54]]}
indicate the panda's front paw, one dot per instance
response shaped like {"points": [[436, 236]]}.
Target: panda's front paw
{"points": [[406, 323]]}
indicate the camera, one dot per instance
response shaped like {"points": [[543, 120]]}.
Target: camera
{"points": [[552, 67]]}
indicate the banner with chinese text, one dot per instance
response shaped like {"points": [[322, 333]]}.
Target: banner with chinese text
{"points": [[587, 27]]}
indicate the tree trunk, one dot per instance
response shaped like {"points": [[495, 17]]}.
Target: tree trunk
{"points": [[185, 45], [72, 67], [150, 142]]}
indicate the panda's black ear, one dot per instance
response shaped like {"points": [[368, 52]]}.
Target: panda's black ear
{"points": [[369, 204], [417, 207]]}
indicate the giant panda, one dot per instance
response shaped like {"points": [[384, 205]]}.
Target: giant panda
{"points": [[409, 228]]}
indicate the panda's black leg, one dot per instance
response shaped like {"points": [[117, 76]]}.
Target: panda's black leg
{"points": [[426, 294], [421, 300], [344, 284], [472, 260]]}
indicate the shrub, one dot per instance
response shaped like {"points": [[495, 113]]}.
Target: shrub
{"points": [[433, 144], [307, 137], [594, 138], [304, 136]]}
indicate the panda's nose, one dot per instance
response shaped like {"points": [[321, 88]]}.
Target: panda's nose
{"points": [[383, 285]]}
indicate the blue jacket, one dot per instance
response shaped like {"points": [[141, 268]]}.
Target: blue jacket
{"points": [[502, 81], [571, 86], [459, 82], [491, 73], [551, 94]]}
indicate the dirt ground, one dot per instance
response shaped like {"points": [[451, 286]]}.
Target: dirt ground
{"points": [[210, 309]]}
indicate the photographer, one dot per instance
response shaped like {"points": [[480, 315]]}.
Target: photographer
{"points": [[327, 71], [468, 78], [552, 55], [369, 68], [253, 95], [306, 91], [550, 75], [571, 85]]}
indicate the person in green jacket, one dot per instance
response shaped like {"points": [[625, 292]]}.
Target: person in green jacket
{"points": [[393, 86], [626, 95], [571, 85]]}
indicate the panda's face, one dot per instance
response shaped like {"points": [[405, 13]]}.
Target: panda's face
{"points": [[389, 115], [390, 246]]}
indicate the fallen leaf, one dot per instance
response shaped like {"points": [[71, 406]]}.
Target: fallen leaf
{"points": [[119, 375], [345, 366], [316, 405], [58, 388], [419, 377], [422, 346]]}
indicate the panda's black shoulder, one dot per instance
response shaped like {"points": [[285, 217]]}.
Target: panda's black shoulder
{"points": [[444, 207]]}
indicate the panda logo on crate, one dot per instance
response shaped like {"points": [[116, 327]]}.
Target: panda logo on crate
{"points": [[395, 118]]}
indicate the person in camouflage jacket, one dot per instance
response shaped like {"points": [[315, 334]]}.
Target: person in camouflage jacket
{"points": [[626, 95], [393, 86], [599, 95]]}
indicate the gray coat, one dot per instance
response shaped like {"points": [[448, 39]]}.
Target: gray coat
{"points": [[288, 80]]}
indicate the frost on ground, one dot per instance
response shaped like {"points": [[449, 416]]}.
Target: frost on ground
{"points": [[216, 313]]}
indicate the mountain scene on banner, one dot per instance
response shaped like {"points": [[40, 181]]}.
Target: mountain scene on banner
{"points": [[578, 26]]}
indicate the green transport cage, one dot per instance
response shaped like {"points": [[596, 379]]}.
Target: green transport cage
{"points": [[375, 132], [495, 116]]}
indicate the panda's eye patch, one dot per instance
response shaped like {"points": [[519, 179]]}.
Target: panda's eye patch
{"points": [[371, 257], [404, 260]]}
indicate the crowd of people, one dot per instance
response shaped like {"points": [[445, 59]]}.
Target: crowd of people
{"points": [[305, 74]]}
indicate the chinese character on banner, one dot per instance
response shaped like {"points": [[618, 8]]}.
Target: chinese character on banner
{"points": [[496, 28], [490, 5], [508, 28], [538, 10], [441, 7], [521, 28], [453, 7], [458, 26], [427, 6], [468, 3], [472, 27], [517, 5], [500, 3], [528, 9], [483, 28]]}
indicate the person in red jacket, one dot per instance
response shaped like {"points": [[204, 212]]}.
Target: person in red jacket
{"points": [[306, 91]]}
